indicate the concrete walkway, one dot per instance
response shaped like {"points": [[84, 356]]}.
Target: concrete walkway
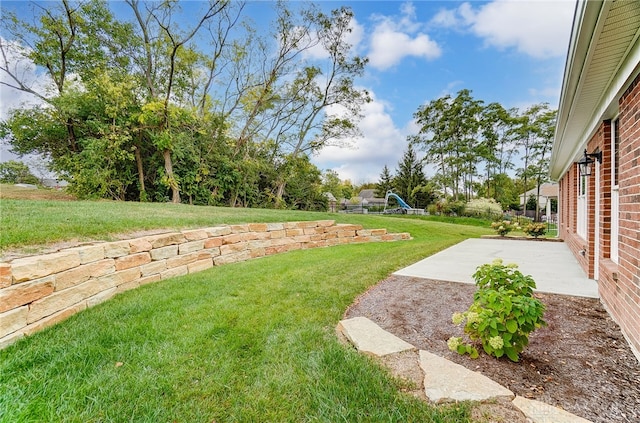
{"points": [[444, 380], [551, 264]]}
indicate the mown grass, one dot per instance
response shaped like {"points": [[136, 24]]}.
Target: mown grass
{"points": [[251, 341]]}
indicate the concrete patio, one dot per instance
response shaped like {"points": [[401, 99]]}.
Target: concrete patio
{"points": [[551, 264]]}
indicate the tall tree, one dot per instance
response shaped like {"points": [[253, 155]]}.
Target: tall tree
{"points": [[409, 175], [450, 135], [385, 183]]}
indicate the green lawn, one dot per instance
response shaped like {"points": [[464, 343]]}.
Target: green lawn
{"points": [[246, 342]]}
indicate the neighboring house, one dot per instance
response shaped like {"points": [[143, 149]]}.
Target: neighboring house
{"points": [[370, 196], [599, 214], [548, 191]]}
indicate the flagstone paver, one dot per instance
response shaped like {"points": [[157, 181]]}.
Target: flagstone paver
{"points": [[444, 380]]}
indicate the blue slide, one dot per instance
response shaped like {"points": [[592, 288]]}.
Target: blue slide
{"points": [[401, 202]]}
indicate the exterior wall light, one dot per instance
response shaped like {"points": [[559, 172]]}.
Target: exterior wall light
{"points": [[587, 161]]}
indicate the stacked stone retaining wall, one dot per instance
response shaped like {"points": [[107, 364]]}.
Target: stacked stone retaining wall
{"points": [[39, 291]]}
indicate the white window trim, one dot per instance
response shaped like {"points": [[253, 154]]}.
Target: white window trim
{"points": [[582, 206], [615, 198]]}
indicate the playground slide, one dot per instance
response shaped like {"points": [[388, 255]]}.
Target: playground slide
{"points": [[401, 202]]}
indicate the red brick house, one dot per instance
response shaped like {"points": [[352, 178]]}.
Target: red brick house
{"points": [[599, 114]]}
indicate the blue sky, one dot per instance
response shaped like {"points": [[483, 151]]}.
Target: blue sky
{"points": [[507, 51]]}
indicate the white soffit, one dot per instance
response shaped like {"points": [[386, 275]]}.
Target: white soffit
{"points": [[611, 59]]}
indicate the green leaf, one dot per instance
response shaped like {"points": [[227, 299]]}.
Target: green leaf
{"points": [[512, 354], [512, 326]]}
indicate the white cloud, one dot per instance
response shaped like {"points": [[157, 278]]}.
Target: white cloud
{"points": [[381, 143], [539, 28], [395, 38]]}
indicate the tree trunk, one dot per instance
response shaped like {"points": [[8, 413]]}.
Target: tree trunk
{"points": [[143, 192], [173, 184]]}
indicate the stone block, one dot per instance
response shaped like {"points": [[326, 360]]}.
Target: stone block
{"points": [[294, 232], [6, 277], [30, 268], [218, 231], [233, 248], [275, 226], [153, 268], [83, 273], [200, 265], [276, 249], [190, 247], [61, 300], [261, 235], [258, 227], [13, 320], [89, 253], [362, 238], [344, 227], [278, 234], [325, 223], [140, 245], [117, 249], [25, 293], [149, 279], [11, 338], [173, 238], [119, 278], [181, 260], [346, 234], [258, 244], [239, 229], [302, 238], [174, 272], [232, 239], [232, 258], [314, 231], [164, 252], [213, 242], [446, 381], [133, 260], [195, 234], [213, 251], [55, 318], [369, 338], [128, 286], [101, 297], [257, 252]]}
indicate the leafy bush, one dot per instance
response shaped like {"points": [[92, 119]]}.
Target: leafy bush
{"points": [[535, 229], [483, 207], [450, 207], [503, 227], [503, 314]]}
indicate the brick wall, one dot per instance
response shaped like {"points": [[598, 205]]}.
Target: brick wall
{"points": [[619, 283], [39, 291]]}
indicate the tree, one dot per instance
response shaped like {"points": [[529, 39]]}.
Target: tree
{"points": [[15, 172], [450, 136], [409, 175], [535, 129], [385, 183]]}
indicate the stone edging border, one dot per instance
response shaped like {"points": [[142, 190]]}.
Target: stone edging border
{"points": [[39, 291]]}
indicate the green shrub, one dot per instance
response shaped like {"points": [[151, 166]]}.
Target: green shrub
{"points": [[483, 207], [503, 227], [503, 314], [535, 229]]}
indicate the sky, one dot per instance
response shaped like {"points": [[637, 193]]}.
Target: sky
{"points": [[507, 51]]}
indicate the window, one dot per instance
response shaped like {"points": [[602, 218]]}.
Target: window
{"points": [[582, 206], [615, 197]]}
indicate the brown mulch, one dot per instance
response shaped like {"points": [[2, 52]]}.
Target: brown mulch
{"points": [[580, 362]]}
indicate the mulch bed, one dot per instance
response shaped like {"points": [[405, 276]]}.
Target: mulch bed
{"points": [[580, 362]]}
